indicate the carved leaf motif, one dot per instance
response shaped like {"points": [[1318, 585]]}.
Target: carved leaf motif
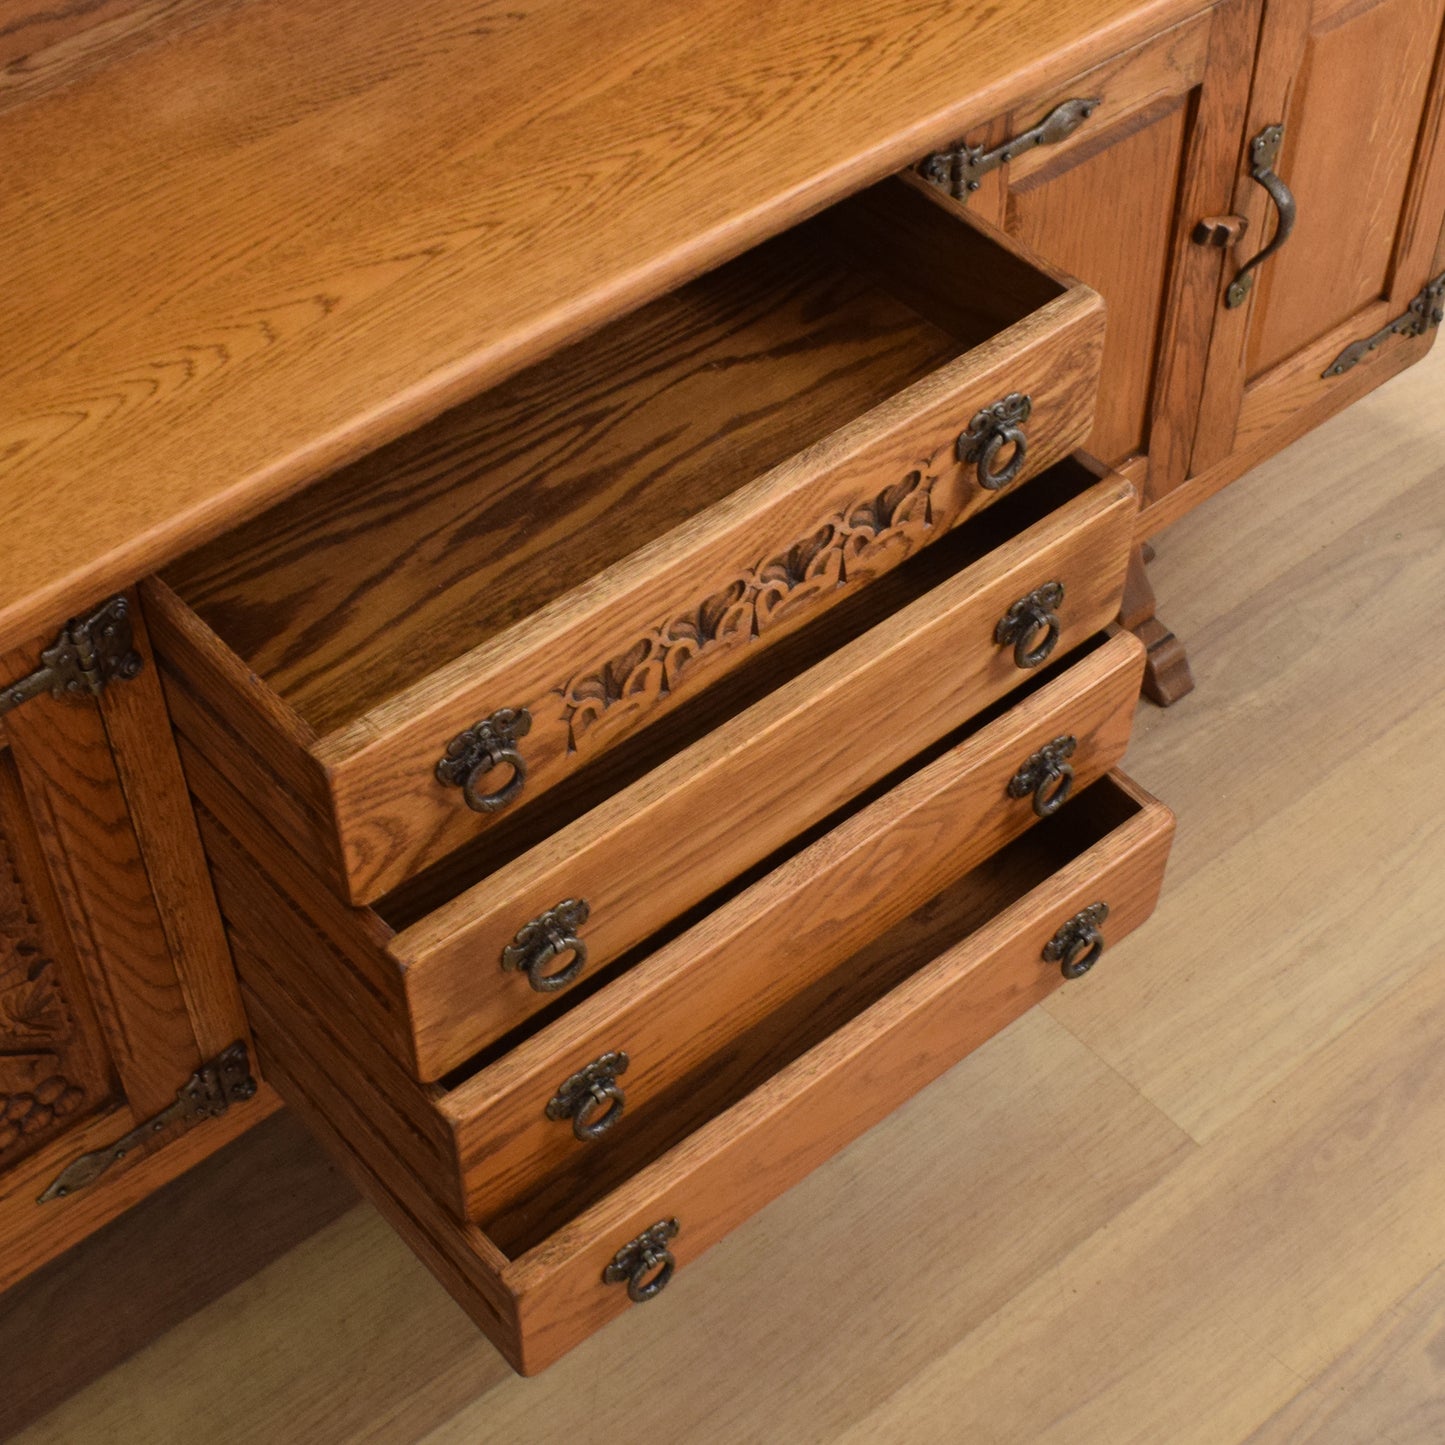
{"points": [[35, 1024], [866, 540]]}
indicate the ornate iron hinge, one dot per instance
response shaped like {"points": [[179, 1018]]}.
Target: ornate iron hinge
{"points": [[207, 1094], [89, 653], [961, 167], [1424, 313]]}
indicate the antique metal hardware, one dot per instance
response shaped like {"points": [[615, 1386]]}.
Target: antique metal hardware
{"points": [[1047, 776], [89, 653], [1221, 231], [592, 1098], [1029, 617], [548, 937], [207, 1094], [489, 744], [1264, 152], [1426, 311], [638, 1258], [1078, 945], [961, 166], [994, 428]]}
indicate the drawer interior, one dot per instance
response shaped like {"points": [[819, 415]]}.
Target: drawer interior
{"points": [[889, 1019], [371, 580], [760, 674], [820, 1010]]}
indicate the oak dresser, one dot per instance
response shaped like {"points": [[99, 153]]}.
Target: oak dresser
{"points": [[576, 575]]}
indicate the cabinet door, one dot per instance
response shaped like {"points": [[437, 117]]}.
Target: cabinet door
{"points": [[1114, 203], [115, 979], [1359, 88]]}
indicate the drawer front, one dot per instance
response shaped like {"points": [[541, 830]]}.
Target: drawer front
{"points": [[439, 992], [691, 1001], [539, 1300], [739, 1161], [614, 655], [493, 1146]]}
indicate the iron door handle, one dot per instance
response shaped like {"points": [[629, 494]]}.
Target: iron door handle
{"points": [[1264, 152]]}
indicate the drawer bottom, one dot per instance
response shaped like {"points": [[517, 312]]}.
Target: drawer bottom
{"points": [[910, 1005]]}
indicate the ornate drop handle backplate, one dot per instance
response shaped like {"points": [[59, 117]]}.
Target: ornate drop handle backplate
{"points": [[1047, 776], [992, 430], [592, 1098], [551, 935], [1079, 943], [483, 747], [1031, 626], [644, 1264]]}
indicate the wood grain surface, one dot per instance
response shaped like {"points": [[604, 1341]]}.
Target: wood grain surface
{"points": [[120, 982], [719, 806], [1006, 1258], [648, 561], [774, 963], [768, 963], [249, 242], [817, 1090]]}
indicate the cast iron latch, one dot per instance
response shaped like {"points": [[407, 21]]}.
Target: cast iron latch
{"points": [[961, 167], [207, 1094], [89, 653]]}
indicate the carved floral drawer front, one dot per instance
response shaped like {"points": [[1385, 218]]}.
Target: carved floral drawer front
{"points": [[417, 653]]}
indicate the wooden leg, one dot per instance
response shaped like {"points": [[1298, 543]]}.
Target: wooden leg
{"points": [[1166, 674]]}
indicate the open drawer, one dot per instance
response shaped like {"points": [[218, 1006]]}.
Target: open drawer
{"points": [[556, 1111], [885, 1021], [406, 655], [463, 955]]}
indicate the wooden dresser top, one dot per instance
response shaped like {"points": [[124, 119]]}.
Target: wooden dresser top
{"points": [[248, 240]]}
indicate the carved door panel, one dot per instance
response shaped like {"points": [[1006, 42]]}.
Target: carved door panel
{"points": [[54, 1069], [1114, 202], [1358, 87], [116, 983]]}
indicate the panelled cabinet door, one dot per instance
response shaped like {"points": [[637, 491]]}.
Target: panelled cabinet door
{"points": [[116, 985], [1153, 146], [1359, 88], [54, 1067]]}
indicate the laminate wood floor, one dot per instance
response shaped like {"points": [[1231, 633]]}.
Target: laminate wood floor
{"points": [[1197, 1197]]}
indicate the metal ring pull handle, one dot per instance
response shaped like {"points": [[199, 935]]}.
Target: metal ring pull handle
{"points": [[483, 747], [644, 1264], [543, 939], [592, 1098], [1032, 625], [1264, 152], [992, 430], [1079, 944], [1047, 776]]}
